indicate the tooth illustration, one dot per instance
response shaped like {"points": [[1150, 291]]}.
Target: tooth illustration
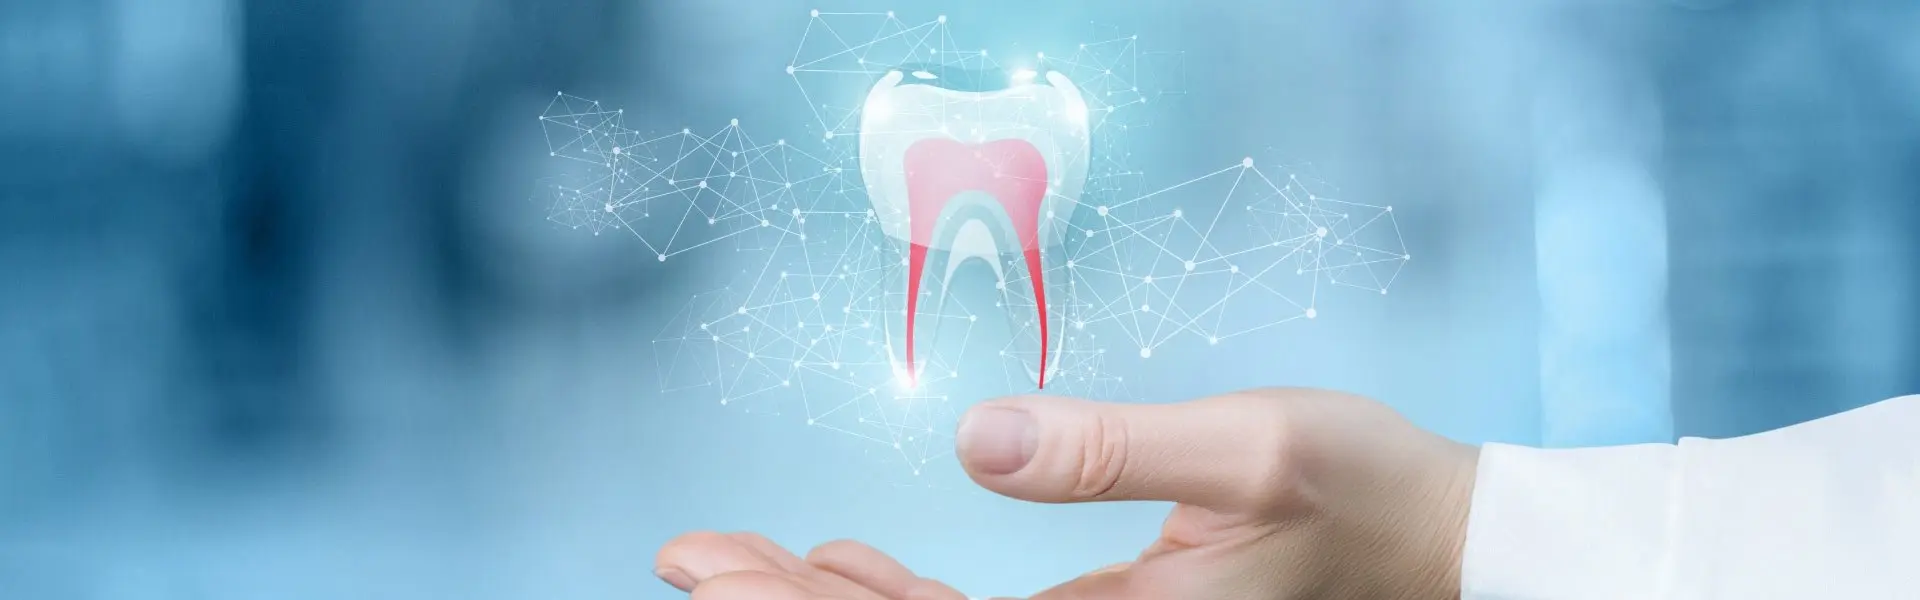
{"points": [[974, 170]]}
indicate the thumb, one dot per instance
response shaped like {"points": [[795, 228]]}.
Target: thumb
{"points": [[1227, 453]]}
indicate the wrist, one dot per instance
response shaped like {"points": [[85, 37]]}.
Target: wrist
{"points": [[1450, 518]]}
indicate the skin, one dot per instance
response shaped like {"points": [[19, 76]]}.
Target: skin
{"points": [[1279, 494]]}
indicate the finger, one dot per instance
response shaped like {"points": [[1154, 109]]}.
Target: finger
{"points": [[688, 560], [1098, 585], [779, 556], [1227, 453], [928, 589], [864, 565], [751, 585], [874, 570]]}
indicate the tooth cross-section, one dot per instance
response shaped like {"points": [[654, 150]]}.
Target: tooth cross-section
{"points": [[1010, 170]]}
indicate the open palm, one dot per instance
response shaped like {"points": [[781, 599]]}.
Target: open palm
{"points": [[1279, 494]]}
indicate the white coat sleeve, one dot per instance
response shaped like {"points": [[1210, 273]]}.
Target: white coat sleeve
{"points": [[1825, 509]]}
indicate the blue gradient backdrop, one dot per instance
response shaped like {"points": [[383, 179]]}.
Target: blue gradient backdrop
{"points": [[277, 319]]}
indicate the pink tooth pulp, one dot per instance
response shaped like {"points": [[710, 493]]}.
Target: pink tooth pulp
{"points": [[1012, 171]]}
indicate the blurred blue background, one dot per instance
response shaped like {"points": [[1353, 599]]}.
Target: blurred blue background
{"points": [[278, 320]]}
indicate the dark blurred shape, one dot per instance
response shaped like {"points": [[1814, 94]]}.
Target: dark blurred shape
{"points": [[1790, 148]]}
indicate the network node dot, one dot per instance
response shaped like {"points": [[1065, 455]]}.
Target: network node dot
{"points": [[1321, 232], [816, 12], [1311, 313], [663, 258], [1246, 163], [790, 69], [942, 19], [1102, 210], [1146, 353], [1189, 265]]}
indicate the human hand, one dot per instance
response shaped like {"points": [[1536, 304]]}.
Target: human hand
{"points": [[746, 566], [1279, 493]]}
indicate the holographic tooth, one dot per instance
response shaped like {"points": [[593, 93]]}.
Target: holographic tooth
{"points": [[975, 164]]}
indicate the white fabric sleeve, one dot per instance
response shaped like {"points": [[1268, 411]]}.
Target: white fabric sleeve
{"points": [[1825, 509]]}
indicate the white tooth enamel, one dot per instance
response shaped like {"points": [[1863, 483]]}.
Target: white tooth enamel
{"points": [[895, 116], [1052, 117]]}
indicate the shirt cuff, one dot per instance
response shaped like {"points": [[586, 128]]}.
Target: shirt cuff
{"points": [[1570, 523]]}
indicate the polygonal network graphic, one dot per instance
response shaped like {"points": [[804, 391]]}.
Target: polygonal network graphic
{"points": [[812, 326]]}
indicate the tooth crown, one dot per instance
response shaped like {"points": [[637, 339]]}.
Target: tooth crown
{"points": [[898, 116]]}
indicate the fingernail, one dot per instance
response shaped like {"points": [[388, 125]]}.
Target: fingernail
{"points": [[676, 578], [997, 440]]}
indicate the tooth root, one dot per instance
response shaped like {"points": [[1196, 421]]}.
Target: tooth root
{"points": [[916, 263], [1013, 172], [1040, 307]]}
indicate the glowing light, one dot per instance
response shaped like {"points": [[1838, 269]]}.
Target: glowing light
{"points": [[904, 380]]}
